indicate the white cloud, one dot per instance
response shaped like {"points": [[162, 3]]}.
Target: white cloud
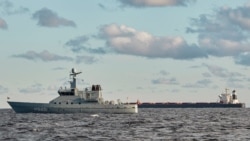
{"points": [[126, 40]]}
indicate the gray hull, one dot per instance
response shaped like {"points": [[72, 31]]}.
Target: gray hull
{"points": [[25, 107]]}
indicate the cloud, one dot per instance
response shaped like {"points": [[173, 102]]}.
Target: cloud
{"points": [[243, 59], [126, 40], [52, 88], [48, 18], [235, 83], [239, 16], [3, 24], [154, 3], [199, 84], [163, 72], [80, 44], [46, 56], [8, 8], [102, 6], [205, 74], [171, 81], [32, 89], [224, 33], [221, 72], [3, 90], [76, 44], [204, 82], [231, 79], [59, 68], [86, 59], [43, 56]]}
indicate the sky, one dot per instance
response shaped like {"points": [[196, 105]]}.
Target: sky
{"points": [[147, 50]]}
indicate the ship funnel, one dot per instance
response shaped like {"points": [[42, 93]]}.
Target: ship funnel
{"points": [[234, 95]]}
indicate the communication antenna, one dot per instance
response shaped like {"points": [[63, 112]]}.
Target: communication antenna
{"points": [[74, 73]]}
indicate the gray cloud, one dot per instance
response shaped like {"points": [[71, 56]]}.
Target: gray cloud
{"points": [[3, 90], [3, 24], [239, 16], [76, 45], [232, 79], [243, 59], [199, 84], [32, 89], [154, 3], [9, 9], [235, 83], [126, 40], [205, 74], [171, 81], [224, 33], [163, 72], [59, 68], [102, 6], [86, 59], [80, 44], [221, 72], [48, 18], [204, 82], [43, 56]]}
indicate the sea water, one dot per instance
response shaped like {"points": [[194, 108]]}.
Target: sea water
{"points": [[148, 124]]}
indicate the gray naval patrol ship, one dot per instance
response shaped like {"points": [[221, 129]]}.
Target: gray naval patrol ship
{"points": [[73, 100]]}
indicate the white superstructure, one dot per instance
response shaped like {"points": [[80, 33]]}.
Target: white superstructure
{"points": [[227, 98]]}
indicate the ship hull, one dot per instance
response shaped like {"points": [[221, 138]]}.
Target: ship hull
{"points": [[25, 107], [190, 105]]}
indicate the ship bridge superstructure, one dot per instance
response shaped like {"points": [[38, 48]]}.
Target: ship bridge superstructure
{"points": [[227, 98], [89, 94]]}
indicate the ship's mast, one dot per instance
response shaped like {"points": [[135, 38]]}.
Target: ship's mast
{"points": [[226, 90], [73, 73]]}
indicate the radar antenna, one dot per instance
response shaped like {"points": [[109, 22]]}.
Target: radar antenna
{"points": [[74, 73]]}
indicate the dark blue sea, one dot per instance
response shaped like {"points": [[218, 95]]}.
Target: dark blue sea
{"points": [[148, 124]]}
